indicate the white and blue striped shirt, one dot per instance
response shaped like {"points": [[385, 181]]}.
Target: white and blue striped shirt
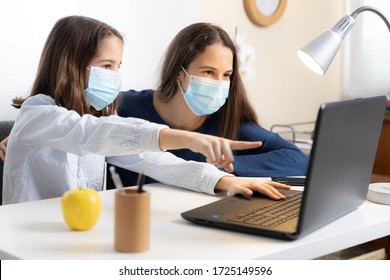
{"points": [[52, 150]]}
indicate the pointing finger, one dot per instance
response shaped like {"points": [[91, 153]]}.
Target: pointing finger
{"points": [[245, 145]]}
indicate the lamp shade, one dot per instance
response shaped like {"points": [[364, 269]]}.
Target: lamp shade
{"points": [[319, 53]]}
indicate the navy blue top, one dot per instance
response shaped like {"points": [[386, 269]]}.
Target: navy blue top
{"points": [[276, 157]]}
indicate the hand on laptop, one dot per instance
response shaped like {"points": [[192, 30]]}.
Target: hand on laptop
{"points": [[234, 185]]}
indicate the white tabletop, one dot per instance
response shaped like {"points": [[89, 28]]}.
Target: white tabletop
{"points": [[36, 230]]}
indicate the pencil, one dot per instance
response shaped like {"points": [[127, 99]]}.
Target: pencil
{"points": [[140, 181], [116, 179]]}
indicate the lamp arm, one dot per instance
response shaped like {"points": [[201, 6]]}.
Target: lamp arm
{"points": [[371, 9]]}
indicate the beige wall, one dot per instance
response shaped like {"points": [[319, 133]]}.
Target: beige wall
{"points": [[284, 91]]}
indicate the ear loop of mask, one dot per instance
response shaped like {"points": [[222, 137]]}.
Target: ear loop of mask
{"points": [[185, 71], [178, 82]]}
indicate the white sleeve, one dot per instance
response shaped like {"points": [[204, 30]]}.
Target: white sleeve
{"points": [[171, 170], [58, 128]]}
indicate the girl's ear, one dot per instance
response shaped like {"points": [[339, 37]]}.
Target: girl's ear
{"points": [[180, 76], [86, 77]]}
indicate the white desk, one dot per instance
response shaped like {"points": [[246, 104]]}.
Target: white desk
{"points": [[36, 230]]}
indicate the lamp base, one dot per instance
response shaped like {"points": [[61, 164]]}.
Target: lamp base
{"points": [[379, 193]]}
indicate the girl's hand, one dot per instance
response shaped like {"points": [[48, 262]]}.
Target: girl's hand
{"points": [[3, 148], [234, 185], [217, 150]]}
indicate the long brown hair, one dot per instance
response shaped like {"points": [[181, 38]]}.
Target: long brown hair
{"points": [[69, 48], [187, 44]]}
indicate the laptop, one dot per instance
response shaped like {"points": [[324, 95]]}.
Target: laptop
{"points": [[344, 147]]}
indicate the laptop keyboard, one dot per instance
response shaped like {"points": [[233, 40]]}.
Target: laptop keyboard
{"points": [[271, 215]]}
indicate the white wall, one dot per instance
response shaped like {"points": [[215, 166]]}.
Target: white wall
{"points": [[24, 27], [366, 64], [148, 27]]}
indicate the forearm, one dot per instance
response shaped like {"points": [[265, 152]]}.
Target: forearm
{"points": [[58, 128], [279, 162], [171, 170], [276, 156], [174, 139]]}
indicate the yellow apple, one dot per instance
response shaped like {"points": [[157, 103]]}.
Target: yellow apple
{"points": [[81, 208]]}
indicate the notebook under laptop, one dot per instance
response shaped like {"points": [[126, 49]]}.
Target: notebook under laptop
{"points": [[343, 153]]}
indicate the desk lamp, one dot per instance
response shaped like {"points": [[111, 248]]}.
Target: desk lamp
{"points": [[319, 53]]}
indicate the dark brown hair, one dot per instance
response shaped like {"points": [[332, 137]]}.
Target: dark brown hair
{"points": [[190, 42], [69, 48]]}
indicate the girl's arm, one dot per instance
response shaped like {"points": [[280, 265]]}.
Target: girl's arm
{"points": [[41, 122], [201, 177], [276, 157]]}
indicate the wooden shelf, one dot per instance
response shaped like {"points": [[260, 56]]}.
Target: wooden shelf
{"points": [[379, 178], [373, 250]]}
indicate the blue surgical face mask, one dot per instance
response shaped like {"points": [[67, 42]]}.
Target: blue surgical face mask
{"points": [[205, 96], [103, 87]]}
